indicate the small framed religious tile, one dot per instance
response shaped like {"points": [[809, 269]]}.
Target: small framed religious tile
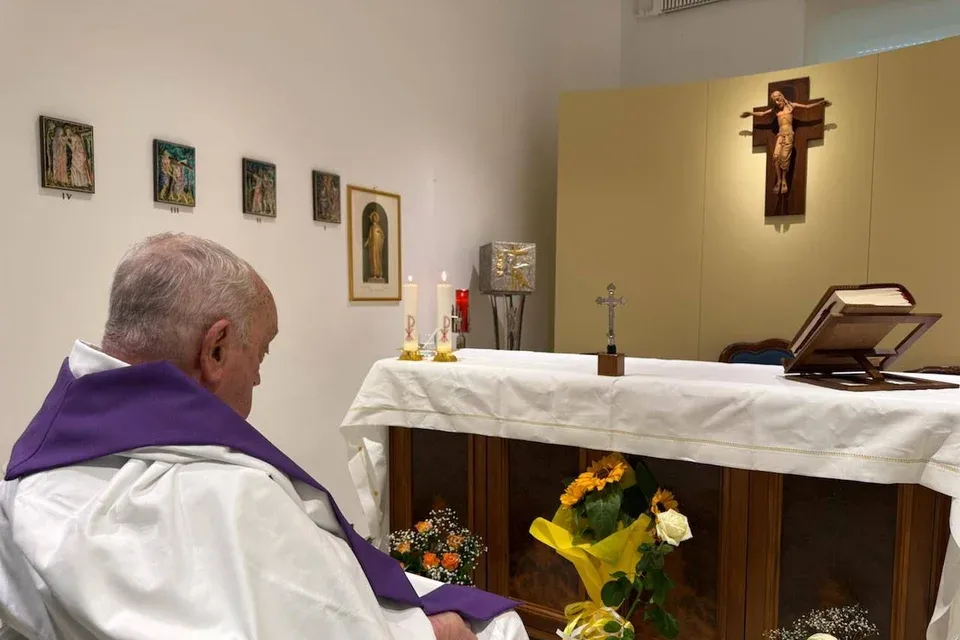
{"points": [[326, 197], [373, 244], [66, 155], [174, 173], [259, 188]]}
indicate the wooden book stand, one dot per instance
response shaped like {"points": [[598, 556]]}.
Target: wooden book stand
{"points": [[843, 353]]}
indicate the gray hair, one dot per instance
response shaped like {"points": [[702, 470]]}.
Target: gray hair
{"points": [[169, 289]]}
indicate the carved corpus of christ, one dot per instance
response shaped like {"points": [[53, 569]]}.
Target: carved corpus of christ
{"points": [[785, 127]]}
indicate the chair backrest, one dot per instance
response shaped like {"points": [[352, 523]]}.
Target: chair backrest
{"points": [[772, 351], [944, 370]]}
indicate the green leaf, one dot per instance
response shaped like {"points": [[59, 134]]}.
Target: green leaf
{"points": [[603, 511], [665, 624], [660, 585], [613, 594], [645, 562], [612, 626], [649, 580], [628, 634], [665, 549], [645, 480], [670, 627], [634, 501]]}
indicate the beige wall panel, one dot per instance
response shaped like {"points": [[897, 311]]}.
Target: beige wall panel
{"points": [[916, 195], [761, 278], [630, 210]]}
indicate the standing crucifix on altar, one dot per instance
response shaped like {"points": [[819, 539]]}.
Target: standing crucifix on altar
{"points": [[785, 127], [610, 363]]}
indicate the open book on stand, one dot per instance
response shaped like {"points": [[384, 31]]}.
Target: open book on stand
{"points": [[839, 344]]}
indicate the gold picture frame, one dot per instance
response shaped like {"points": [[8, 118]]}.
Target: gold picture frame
{"points": [[373, 245]]}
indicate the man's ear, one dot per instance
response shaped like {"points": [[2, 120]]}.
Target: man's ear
{"points": [[213, 353]]}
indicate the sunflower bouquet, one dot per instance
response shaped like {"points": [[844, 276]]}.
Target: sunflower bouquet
{"points": [[616, 526], [438, 548]]}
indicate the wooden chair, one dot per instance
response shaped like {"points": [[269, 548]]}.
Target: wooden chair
{"points": [[771, 351]]}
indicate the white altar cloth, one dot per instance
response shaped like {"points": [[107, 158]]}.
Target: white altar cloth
{"points": [[732, 415]]}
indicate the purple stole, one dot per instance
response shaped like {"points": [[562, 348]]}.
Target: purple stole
{"points": [[157, 405]]}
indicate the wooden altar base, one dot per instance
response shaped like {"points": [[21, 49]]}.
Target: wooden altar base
{"points": [[766, 547]]}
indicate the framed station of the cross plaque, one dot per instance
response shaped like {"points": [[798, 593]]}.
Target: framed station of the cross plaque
{"points": [[784, 127]]}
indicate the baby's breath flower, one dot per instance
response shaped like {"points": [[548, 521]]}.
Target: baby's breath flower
{"points": [[843, 623]]}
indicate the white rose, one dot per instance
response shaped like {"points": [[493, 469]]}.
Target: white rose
{"points": [[821, 636], [673, 528]]}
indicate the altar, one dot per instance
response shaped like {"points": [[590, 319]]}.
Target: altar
{"points": [[799, 497]]}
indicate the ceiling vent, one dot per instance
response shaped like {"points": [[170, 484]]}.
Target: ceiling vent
{"points": [[651, 8]]}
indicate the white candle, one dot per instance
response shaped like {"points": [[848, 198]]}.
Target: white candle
{"points": [[411, 335], [444, 311]]}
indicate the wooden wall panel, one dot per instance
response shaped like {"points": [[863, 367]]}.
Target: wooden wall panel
{"points": [[916, 191], [630, 209]]}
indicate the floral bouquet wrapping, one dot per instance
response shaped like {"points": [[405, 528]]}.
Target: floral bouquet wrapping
{"points": [[438, 548], [616, 527]]}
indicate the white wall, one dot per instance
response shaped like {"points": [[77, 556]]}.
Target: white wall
{"points": [[730, 38], [741, 37], [837, 29], [451, 103]]}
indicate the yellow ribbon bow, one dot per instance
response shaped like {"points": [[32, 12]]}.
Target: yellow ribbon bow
{"points": [[588, 619]]}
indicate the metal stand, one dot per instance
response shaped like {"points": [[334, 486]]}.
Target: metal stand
{"points": [[459, 333], [507, 319]]}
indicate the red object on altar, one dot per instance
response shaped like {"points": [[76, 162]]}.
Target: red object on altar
{"points": [[463, 309]]}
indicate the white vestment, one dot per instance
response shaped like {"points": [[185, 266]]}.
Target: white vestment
{"points": [[187, 543]]}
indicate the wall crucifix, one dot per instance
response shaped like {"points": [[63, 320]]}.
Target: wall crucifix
{"points": [[785, 127]]}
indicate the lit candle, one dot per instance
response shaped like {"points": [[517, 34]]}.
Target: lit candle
{"points": [[411, 335], [444, 311]]}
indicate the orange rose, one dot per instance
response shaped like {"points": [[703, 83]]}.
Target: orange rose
{"points": [[403, 547], [423, 527], [430, 560], [451, 561], [454, 541]]}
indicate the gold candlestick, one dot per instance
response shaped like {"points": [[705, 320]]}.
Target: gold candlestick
{"points": [[444, 356]]}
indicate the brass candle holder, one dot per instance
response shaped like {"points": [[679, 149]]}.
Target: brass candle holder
{"points": [[411, 356], [444, 356]]}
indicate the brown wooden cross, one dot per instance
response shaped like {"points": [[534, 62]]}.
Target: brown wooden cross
{"points": [[787, 196]]}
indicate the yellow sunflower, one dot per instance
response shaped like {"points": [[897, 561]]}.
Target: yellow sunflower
{"points": [[603, 472], [574, 494], [663, 501]]}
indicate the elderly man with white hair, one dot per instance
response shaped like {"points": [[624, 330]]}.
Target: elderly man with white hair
{"points": [[140, 503]]}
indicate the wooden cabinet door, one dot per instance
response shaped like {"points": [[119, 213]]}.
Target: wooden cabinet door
{"points": [[818, 543], [525, 480], [436, 469]]}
